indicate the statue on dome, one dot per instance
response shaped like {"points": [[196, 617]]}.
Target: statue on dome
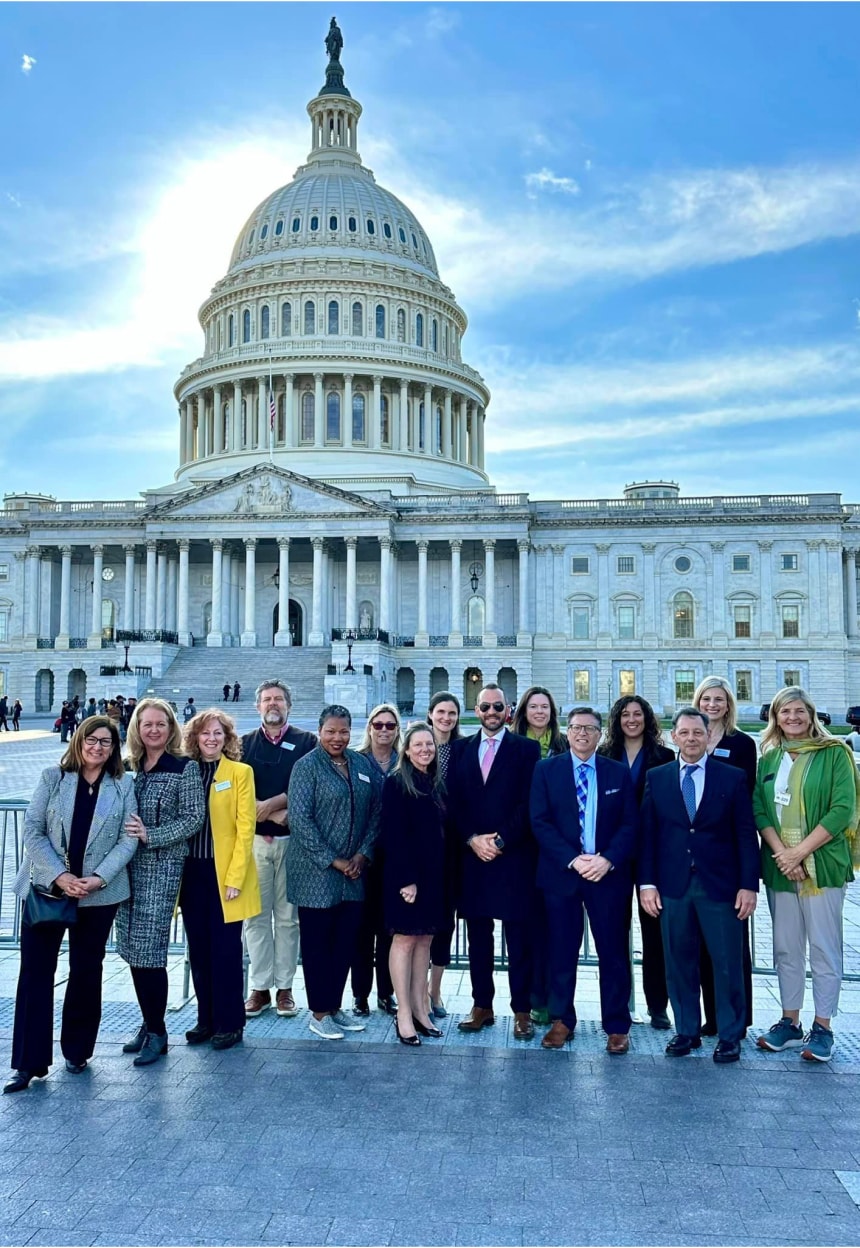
{"points": [[334, 41]]}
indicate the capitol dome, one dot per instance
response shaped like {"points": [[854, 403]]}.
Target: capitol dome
{"points": [[332, 347]]}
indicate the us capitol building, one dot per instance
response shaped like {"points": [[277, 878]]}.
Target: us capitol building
{"points": [[331, 509]]}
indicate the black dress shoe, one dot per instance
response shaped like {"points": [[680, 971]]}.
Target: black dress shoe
{"points": [[22, 1079], [709, 1030], [682, 1046], [226, 1039], [198, 1034], [153, 1048], [361, 1007], [432, 1033], [388, 1005], [135, 1044], [75, 1068], [727, 1051], [412, 1041], [660, 1020]]}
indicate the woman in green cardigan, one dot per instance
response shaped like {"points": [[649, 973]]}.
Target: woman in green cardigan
{"points": [[806, 806]]}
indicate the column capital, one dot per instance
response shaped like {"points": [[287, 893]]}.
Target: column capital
{"points": [[288, 376], [66, 552], [718, 546], [833, 543], [766, 546], [97, 549], [130, 548], [348, 376], [523, 544], [850, 551], [603, 548], [33, 552], [318, 377], [151, 546], [351, 542], [283, 543], [184, 543], [814, 544], [318, 543], [489, 543], [649, 547], [558, 548], [217, 543], [422, 544], [456, 543], [385, 541], [377, 379], [250, 543]]}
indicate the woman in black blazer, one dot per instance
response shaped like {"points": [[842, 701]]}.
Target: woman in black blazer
{"points": [[634, 737], [726, 742]]}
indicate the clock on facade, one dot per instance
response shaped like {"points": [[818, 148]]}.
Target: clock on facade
{"points": [[108, 574]]}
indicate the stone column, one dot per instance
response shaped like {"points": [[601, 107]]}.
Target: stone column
{"points": [[236, 432], [558, 604], [373, 438], [171, 595], [816, 617], [183, 434], [347, 410], [718, 623], [765, 550], [541, 626], [836, 599], [46, 598], [229, 589], [319, 414], [851, 589], [603, 625], [422, 637], [481, 415], [128, 610], [202, 427], [315, 637], [235, 628], [217, 421], [149, 615], [489, 591], [216, 636], [523, 621], [94, 641], [446, 426], [262, 414], [351, 606], [650, 596], [33, 556], [249, 632], [429, 422], [62, 640], [289, 402], [182, 594], [385, 583], [189, 431], [463, 431], [282, 636], [404, 415], [161, 589], [455, 636]]}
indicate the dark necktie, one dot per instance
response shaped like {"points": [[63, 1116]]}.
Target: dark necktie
{"points": [[688, 789], [582, 796]]}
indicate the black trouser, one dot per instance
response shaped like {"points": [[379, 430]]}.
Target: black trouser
{"points": [[150, 985], [540, 955], [688, 922], [653, 962], [372, 942], [440, 945], [214, 948], [706, 971], [518, 939], [33, 1036], [328, 945], [607, 905]]}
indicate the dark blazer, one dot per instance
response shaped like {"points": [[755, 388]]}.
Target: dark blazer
{"points": [[555, 820], [652, 756], [738, 750], [726, 847], [503, 888]]}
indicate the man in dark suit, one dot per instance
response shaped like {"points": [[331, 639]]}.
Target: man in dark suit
{"points": [[584, 818], [699, 865], [489, 779]]}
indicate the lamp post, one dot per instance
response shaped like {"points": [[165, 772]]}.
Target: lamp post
{"points": [[350, 637]]}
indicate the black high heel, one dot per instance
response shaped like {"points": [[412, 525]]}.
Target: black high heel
{"points": [[412, 1041], [432, 1033]]}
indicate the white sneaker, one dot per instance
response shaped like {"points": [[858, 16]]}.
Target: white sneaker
{"points": [[345, 1022], [325, 1028]]}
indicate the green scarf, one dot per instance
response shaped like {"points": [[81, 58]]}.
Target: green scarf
{"points": [[793, 824], [544, 740]]}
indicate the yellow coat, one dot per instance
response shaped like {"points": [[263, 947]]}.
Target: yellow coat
{"points": [[233, 815]]}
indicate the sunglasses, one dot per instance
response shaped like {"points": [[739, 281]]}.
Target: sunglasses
{"points": [[382, 727], [491, 706]]}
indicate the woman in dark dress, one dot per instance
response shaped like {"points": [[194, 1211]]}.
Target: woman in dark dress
{"points": [[715, 697], [634, 737], [443, 715], [414, 886]]}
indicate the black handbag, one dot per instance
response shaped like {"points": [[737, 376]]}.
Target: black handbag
{"points": [[49, 905]]}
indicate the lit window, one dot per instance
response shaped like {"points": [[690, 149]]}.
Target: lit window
{"points": [[264, 232], [246, 326], [264, 321], [625, 564], [790, 621], [683, 563], [279, 227], [332, 417], [286, 320], [743, 622], [789, 563], [357, 320], [310, 317], [743, 686], [307, 430], [683, 617], [332, 222], [358, 415], [685, 687], [333, 317], [371, 228], [401, 233], [626, 682], [419, 330], [380, 321], [791, 678], [315, 223], [626, 623], [740, 563], [579, 565], [582, 685], [580, 619], [351, 225]]}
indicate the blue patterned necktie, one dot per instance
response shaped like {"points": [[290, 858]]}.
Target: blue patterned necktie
{"points": [[688, 789], [582, 796]]}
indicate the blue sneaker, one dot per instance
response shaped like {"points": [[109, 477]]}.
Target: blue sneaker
{"points": [[783, 1035], [817, 1044]]}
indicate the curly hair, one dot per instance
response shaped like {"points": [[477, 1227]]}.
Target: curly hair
{"points": [[135, 748], [613, 744], [194, 727], [520, 723]]}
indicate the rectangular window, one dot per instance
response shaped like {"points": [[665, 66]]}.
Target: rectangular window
{"points": [[788, 563], [743, 622], [4, 571], [743, 686], [626, 682], [685, 686], [740, 563], [626, 623], [790, 621], [581, 623], [581, 685], [625, 564], [791, 678], [579, 565]]}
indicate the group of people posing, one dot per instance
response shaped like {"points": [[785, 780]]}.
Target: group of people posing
{"points": [[363, 858]]}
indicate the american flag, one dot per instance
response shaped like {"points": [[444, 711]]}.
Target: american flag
{"points": [[273, 411]]}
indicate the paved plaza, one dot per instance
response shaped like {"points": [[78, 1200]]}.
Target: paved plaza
{"points": [[468, 1140]]}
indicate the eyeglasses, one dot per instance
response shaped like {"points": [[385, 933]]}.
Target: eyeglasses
{"points": [[102, 743], [380, 727], [491, 706], [576, 728]]}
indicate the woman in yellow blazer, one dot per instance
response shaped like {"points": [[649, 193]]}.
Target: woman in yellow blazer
{"points": [[219, 879]]}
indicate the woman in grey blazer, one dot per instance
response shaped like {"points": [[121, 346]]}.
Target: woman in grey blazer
{"points": [[74, 842], [334, 810]]}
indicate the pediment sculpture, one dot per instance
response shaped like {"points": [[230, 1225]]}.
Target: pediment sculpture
{"points": [[263, 497]]}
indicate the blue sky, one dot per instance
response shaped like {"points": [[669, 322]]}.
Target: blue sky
{"points": [[649, 212]]}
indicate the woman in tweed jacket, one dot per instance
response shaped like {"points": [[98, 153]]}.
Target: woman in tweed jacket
{"points": [[172, 808], [334, 820]]}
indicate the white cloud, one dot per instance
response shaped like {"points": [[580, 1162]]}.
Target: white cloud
{"points": [[27, 63], [546, 180]]}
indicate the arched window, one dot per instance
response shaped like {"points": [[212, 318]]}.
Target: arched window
{"points": [[231, 330], [380, 321], [295, 224], [371, 228], [218, 336], [386, 229], [359, 429], [332, 222], [246, 326], [264, 321], [334, 317], [445, 340], [351, 224], [108, 618], [421, 426], [310, 317], [245, 441], [357, 320], [279, 229], [434, 335], [437, 427], [384, 424], [264, 232], [419, 330], [401, 325], [332, 417], [682, 616], [315, 223], [401, 233], [307, 430], [286, 320], [475, 616]]}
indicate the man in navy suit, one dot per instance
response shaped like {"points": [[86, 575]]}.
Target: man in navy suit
{"points": [[489, 777], [584, 817], [699, 865]]}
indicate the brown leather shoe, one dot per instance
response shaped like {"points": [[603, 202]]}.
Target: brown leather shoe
{"points": [[259, 1000], [477, 1019], [285, 1004], [524, 1028], [617, 1045], [557, 1036]]}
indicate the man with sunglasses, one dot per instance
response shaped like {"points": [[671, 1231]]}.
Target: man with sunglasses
{"points": [[583, 812], [489, 779]]}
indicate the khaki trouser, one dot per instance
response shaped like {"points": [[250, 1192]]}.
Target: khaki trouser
{"points": [[272, 936], [814, 921]]}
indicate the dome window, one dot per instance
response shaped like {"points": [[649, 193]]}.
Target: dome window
{"points": [[307, 429], [286, 320], [264, 233], [414, 242], [371, 228], [401, 234], [386, 229], [434, 335], [315, 224], [332, 417], [231, 330], [251, 239], [357, 320], [351, 225], [384, 423], [279, 229], [401, 325], [295, 224], [264, 321], [359, 433], [380, 321], [246, 326], [333, 317], [419, 330], [332, 222], [310, 318]]}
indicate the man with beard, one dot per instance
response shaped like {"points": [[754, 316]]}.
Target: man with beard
{"points": [[272, 936]]}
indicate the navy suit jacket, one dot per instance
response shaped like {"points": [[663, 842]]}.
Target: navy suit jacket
{"points": [[503, 888], [721, 840], [555, 820]]}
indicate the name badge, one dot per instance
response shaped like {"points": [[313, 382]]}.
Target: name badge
{"points": [[288, 745], [222, 785], [363, 777], [781, 798], [722, 753]]}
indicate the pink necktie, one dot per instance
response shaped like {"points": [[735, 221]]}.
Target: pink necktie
{"points": [[489, 755]]}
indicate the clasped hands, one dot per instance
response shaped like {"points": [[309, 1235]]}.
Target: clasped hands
{"points": [[591, 867], [350, 867], [484, 845], [790, 863], [267, 814], [78, 886]]}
